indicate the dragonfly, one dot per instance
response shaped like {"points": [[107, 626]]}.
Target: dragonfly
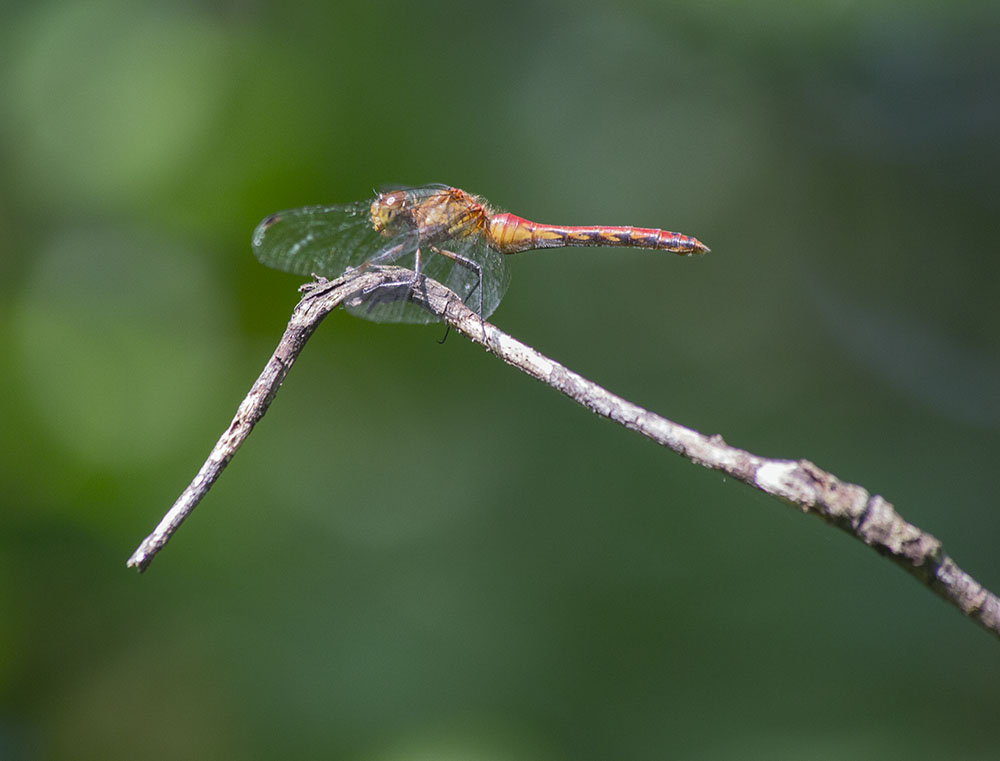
{"points": [[436, 231]]}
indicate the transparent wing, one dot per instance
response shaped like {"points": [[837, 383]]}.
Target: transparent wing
{"points": [[393, 305], [326, 240], [322, 240], [465, 281]]}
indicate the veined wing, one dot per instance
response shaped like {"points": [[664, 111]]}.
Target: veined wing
{"points": [[322, 240], [387, 305], [326, 240], [465, 281]]}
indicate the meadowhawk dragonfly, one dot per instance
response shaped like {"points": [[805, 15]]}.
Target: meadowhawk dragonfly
{"points": [[442, 232]]}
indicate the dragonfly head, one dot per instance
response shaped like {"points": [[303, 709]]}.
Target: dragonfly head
{"points": [[387, 212]]}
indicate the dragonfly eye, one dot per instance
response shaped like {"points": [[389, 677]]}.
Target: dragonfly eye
{"points": [[385, 210]]}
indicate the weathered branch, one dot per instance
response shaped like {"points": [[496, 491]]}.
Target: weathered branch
{"points": [[867, 517], [320, 299]]}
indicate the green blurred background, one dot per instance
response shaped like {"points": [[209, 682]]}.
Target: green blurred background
{"points": [[421, 553]]}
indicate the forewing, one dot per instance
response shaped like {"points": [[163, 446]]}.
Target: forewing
{"points": [[322, 240], [326, 240], [391, 303]]}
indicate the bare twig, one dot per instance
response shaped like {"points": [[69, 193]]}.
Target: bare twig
{"points": [[320, 299], [867, 517]]}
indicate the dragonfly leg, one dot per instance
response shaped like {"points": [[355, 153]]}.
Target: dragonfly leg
{"points": [[389, 254], [407, 285], [475, 267]]}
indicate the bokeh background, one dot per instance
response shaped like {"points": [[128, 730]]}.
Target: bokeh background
{"points": [[420, 553]]}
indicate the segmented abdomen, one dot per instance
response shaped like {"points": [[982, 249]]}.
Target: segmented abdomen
{"points": [[509, 234]]}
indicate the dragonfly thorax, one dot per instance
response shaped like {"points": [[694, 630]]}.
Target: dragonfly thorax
{"points": [[436, 213]]}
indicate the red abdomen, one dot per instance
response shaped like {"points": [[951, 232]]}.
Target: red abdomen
{"points": [[509, 234]]}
